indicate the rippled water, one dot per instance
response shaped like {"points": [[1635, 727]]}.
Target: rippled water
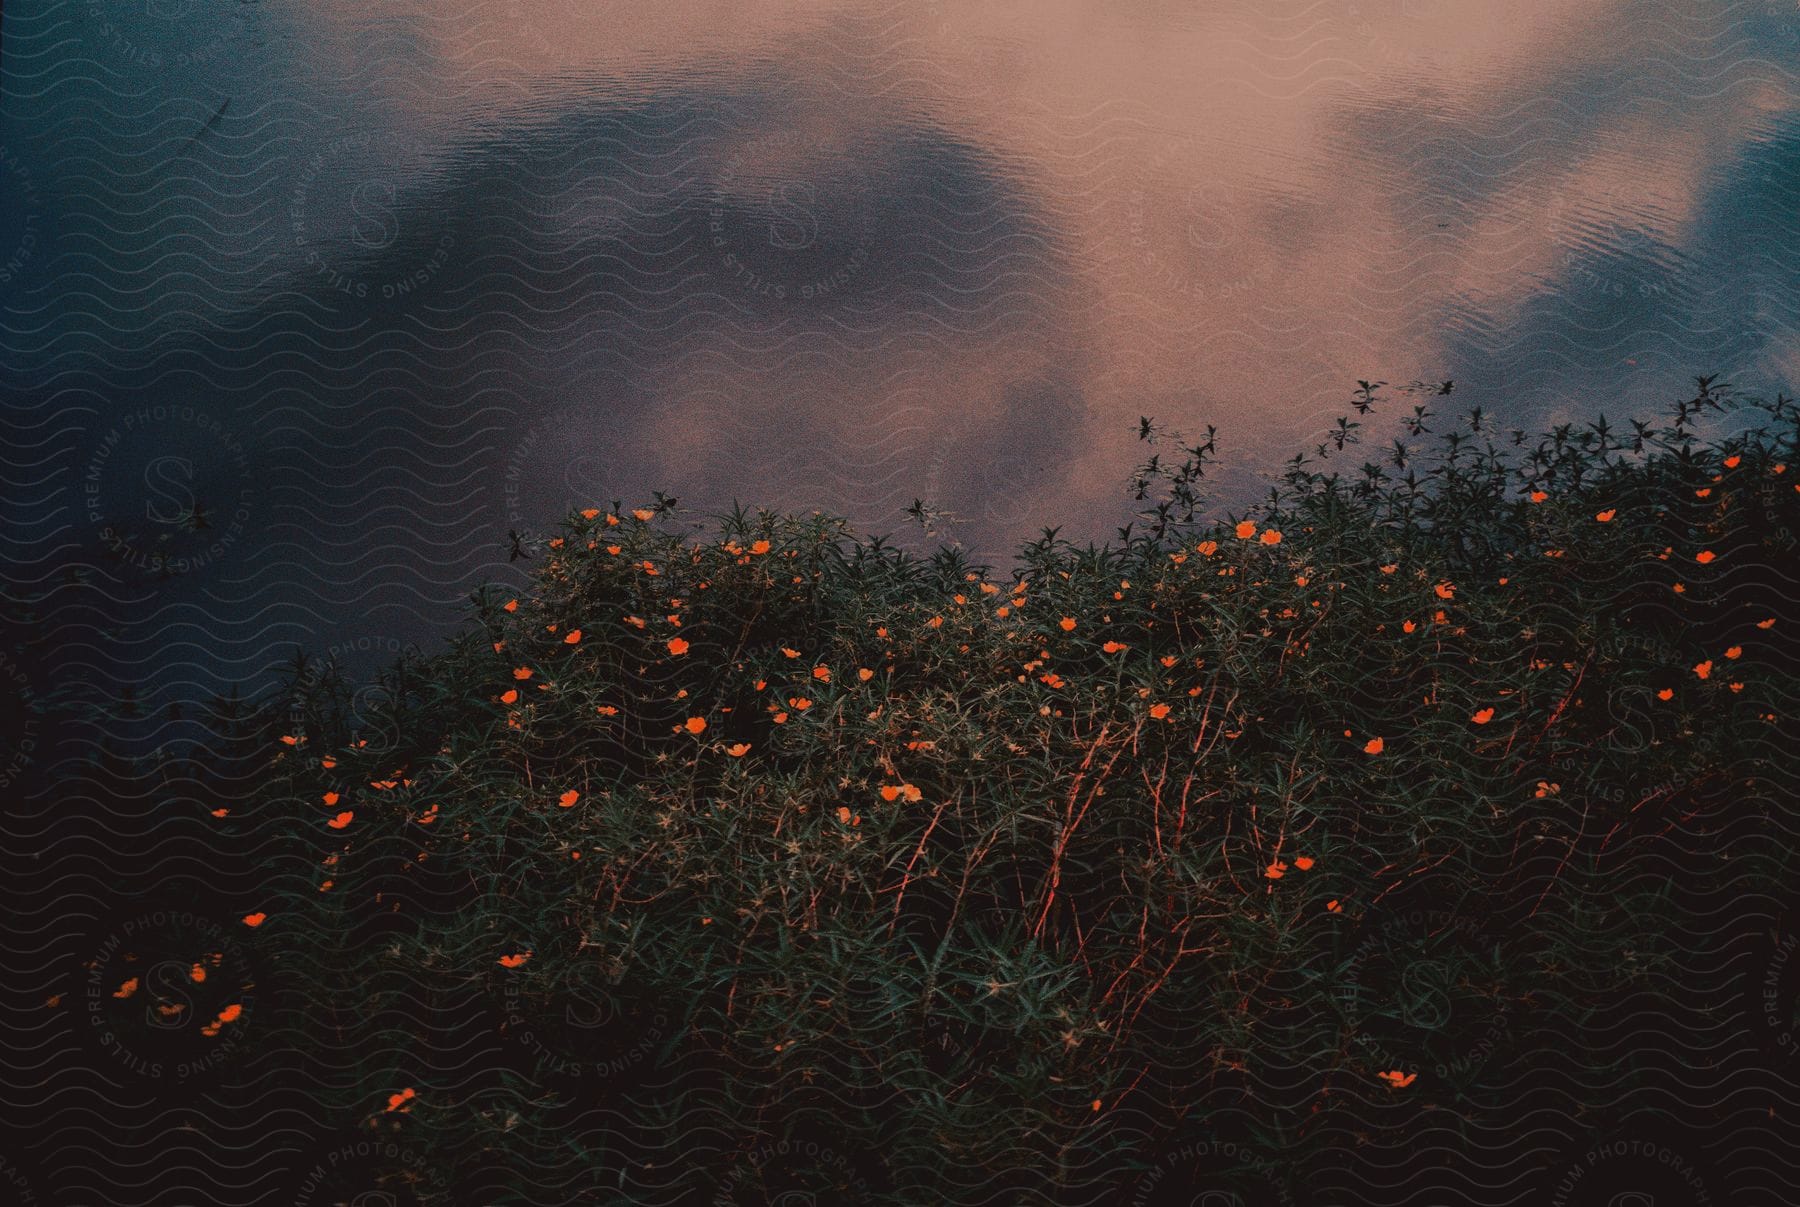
{"points": [[377, 284]]}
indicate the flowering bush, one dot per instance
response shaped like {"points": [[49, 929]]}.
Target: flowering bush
{"points": [[1002, 883]]}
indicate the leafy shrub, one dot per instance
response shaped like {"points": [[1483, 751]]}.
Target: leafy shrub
{"points": [[768, 835]]}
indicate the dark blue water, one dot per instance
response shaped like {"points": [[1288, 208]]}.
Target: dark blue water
{"points": [[307, 307]]}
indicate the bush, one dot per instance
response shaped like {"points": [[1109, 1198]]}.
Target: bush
{"points": [[899, 879]]}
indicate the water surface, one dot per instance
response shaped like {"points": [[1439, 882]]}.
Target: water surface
{"points": [[375, 286]]}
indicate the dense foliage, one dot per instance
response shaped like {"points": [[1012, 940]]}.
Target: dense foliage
{"points": [[763, 857]]}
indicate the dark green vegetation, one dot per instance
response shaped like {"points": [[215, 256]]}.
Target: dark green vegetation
{"points": [[722, 844]]}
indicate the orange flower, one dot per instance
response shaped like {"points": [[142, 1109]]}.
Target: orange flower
{"points": [[1399, 1080], [1705, 556], [1483, 716], [1067, 624], [1304, 863], [1407, 626], [1445, 591], [1275, 870], [843, 814], [1168, 660], [509, 696], [341, 820], [1538, 496], [1374, 746], [573, 637], [1334, 906], [1731, 462], [1113, 647], [1390, 568], [1736, 651], [890, 792], [1606, 516], [822, 674], [590, 513], [799, 703], [738, 750], [865, 674], [910, 793], [1207, 548], [256, 919], [1704, 669], [1245, 530], [513, 961], [678, 646], [1159, 711], [1667, 693], [331, 798], [511, 605], [642, 513], [759, 547], [786, 652], [606, 710], [568, 798], [1271, 536], [522, 673], [1766, 624], [695, 724]]}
